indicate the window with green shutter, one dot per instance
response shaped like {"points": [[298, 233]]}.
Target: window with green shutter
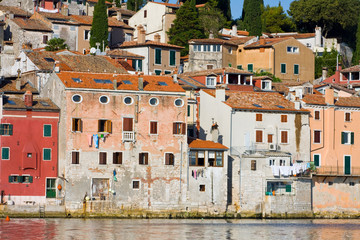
{"points": [[288, 188], [352, 137], [157, 56], [157, 72], [347, 163], [317, 160], [47, 154], [283, 68], [47, 130], [250, 67], [296, 69], [50, 188], [172, 58], [139, 65], [239, 67], [347, 137], [6, 129], [5, 153]]}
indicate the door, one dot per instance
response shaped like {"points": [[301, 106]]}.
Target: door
{"points": [[347, 167], [50, 188]]}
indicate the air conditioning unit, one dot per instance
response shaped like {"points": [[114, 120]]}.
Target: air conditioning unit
{"points": [[272, 147]]}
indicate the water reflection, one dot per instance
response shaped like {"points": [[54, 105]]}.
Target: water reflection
{"points": [[140, 229]]}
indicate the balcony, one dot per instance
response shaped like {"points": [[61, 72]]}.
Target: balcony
{"points": [[128, 136], [337, 171]]}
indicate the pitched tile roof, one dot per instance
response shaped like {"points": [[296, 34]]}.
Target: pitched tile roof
{"points": [[355, 68], [95, 1], [269, 42], [340, 101], [54, 16], [126, 66], [212, 41], [202, 144], [123, 54], [243, 88], [188, 82], [87, 20], [31, 24], [124, 82], [39, 104], [240, 40], [15, 10], [294, 35], [123, 11], [172, 5], [9, 86], [45, 61], [217, 71], [148, 43]]}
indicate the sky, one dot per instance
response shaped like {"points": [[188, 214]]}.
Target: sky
{"points": [[236, 6]]}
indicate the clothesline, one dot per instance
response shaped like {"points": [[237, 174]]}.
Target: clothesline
{"points": [[286, 171]]}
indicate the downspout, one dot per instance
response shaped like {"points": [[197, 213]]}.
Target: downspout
{"points": [[181, 161], [274, 62], [148, 63]]}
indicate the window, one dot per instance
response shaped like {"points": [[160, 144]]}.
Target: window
{"points": [[5, 153], [179, 128], [153, 101], [283, 118], [283, 68], [216, 48], [46, 154], [27, 179], [239, 67], [47, 130], [15, 179], [104, 125], [215, 158], [77, 98], [259, 136], [128, 124], [197, 48], [347, 138], [86, 34], [347, 117], [143, 158], [269, 138], [104, 99], [169, 159], [128, 36], [210, 81], [117, 158], [45, 39], [188, 111], [347, 165], [282, 162], [209, 66], [179, 102], [76, 125], [230, 50], [202, 188], [258, 117], [6, 129], [352, 184], [145, 13], [316, 159], [291, 49], [253, 165], [172, 58], [157, 56], [250, 67], [102, 158], [317, 115], [296, 69], [55, 27], [50, 188], [136, 184], [157, 72], [284, 136], [166, 72], [271, 162], [128, 100], [317, 136], [153, 127], [75, 157], [265, 85], [197, 158]]}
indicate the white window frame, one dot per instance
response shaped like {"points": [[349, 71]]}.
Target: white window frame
{"points": [[158, 64], [348, 138], [157, 129], [182, 102], [298, 69], [211, 78], [87, 36], [107, 97], [81, 98], [128, 104], [293, 49]]}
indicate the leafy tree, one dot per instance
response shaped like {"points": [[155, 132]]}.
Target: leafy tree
{"points": [[135, 5], [328, 59], [118, 3], [211, 18], [251, 17], [186, 26], [56, 44], [356, 56], [99, 27], [275, 20]]}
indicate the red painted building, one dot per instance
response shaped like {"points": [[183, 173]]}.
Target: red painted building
{"points": [[29, 149]]}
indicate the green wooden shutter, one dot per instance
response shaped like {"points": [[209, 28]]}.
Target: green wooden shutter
{"points": [[5, 153], [296, 69], [20, 179], [317, 160], [10, 129], [84, 2], [352, 137], [10, 179], [69, 1], [283, 68], [288, 188], [134, 64], [30, 179], [140, 65], [47, 130], [157, 72], [347, 168], [172, 58], [1, 129], [157, 56], [250, 67], [46, 154], [342, 138]]}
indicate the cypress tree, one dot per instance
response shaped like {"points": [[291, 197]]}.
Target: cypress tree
{"points": [[251, 16], [224, 6], [356, 56], [186, 26], [135, 5], [99, 28]]}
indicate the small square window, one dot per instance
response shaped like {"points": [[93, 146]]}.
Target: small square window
{"points": [[351, 183], [6, 129], [29, 155], [136, 184], [283, 118], [143, 158], [258, 117], [76, 125], [169, 159], [104, 126], [330, 183], [46, 154], [102, 158], [117, 158], [202, 188]]}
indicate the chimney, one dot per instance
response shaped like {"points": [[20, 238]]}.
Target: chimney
{"points": [[329, 96], [118, 15], [215, 132], [18, 84], [28, 99], [157, 38], [141, 83], [57, 67], [318, 36], [211, 36], [324, 73], [262, 41], [175, 79], [234, 30], [220, 94], [141, 34], [115, 84]]}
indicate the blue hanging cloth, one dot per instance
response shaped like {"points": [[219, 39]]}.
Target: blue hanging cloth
{"points": [[96, 140]]}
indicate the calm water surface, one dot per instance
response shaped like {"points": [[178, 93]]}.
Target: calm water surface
{"points": [[178, 229]]}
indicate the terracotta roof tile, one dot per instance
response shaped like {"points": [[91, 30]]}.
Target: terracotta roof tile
{"points": [[242, 88], [31, 24], [124, 82], [123, 54], [340, 101], [126, 66], [40, 104], [95, 1], [212, 41], [123, 11], [55, 16], [148, 43], [188, 82], [202, 144], [355, 68], [87, 20], [9, 86], [294, 35], [15, 10], [280, 87], [268, 42], [240, 40], [169, 4], [217, 71]]}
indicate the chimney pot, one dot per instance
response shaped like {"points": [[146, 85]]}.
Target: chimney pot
{"points": [[262, 41], [28, 99], [141, 34], [141, 83], [157, 38]]}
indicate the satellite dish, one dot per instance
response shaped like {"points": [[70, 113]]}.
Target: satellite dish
{"points": [[92, 50]]}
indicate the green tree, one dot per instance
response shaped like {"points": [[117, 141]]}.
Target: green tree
{"points": [[223, 5], [99, 28], [186, 26], [356, 56], [211, 18], [251, 17], [275, 20], [329, 60], [118, 3], [135, 5], [55, 44]]}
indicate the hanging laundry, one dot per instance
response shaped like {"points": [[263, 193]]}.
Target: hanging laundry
{"points": [[90, 140], [275, 170], [96, 140]]}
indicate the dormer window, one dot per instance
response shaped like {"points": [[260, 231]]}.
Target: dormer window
{"points": [[211, 81]]}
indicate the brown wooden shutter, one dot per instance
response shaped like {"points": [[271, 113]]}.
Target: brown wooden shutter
{"points": [[73, 125], [102, 158], [174, 128], [347, 117], [140, 158], [284, 137], [80, 125], [153, 127], [108, 126], [283, 118], [171, 159], [183, 128], [259, 134], [317, 115], [259, 117], [253, 165], [146, 158], [167, 161], [316, 136], [270, 138], [74, 158], [128, 124]]}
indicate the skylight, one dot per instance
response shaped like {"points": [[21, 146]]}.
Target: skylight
{"points": [[162, 83], [45, 104], [103, 81], [77, 80], [279, 106], [257, 105], [49, 59], [127, 82]]}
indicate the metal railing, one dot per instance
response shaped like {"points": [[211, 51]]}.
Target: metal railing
{"points": [[128, 136], [337, 170]]}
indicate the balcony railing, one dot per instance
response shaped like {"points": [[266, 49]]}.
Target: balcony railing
{"points": [[337, 171], [128, 137]]}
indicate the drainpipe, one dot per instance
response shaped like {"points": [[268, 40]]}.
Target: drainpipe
{"points": [[181, 161]]}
